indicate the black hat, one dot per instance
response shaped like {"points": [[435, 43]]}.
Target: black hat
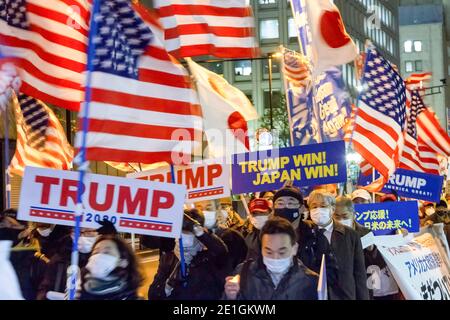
{"points": [[289, 191], [107, 227]]}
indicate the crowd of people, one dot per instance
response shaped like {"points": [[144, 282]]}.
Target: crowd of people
{"points": [[275, 252]]}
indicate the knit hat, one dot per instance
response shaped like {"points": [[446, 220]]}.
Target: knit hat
{"points": [[289, 191]]}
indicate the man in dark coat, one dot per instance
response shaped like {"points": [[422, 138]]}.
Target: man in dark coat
{"points": [[277, 274], [344, 244], [205, 255]]}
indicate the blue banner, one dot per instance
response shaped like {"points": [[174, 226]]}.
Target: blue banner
{"points": [[316, 164], [410, 184], [333, 105], [386, 217], [324, 120]]}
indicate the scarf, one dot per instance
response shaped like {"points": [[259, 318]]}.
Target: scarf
{"points": [[114, 287]]}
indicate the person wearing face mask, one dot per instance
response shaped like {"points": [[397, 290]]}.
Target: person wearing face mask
{"points": [[205, 256], [48, 236], [277, 274], [55, 277], [345, 214], [260, 209], [289, 204], [383, 285], [361, 196], [219, 220], [111, 272], [25, 257], [341, 243]]}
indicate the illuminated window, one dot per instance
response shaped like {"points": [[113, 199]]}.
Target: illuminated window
{"points": [[269, 29], [418, 46], [292, 28], [408, 46], [409, 66], [243, 68]]}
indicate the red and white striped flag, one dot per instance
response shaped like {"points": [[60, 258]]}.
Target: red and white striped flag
{"points": [[56, 153], [415, 156], [151, 117], [431, 134], [47, 41], [295, 69], [381, 118], [417, 80], [224, 29]]}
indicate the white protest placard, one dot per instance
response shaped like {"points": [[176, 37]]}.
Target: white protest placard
{"points": [[419, 267], [368, 240], [134, 206], [205, 180]]}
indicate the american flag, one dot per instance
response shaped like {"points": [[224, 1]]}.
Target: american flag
{"points": [[298, 85], [47, 40], [35, 120], [55, 152], [295, 69], [381, 118], [415, 156], [431, 134], [418, 80], [143, 107], [220, 28]]}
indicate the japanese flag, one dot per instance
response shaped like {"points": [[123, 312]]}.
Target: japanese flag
{"points": [[331, 45], [226, 111]]}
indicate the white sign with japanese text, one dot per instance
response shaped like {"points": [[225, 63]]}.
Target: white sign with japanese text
{"points": [[134, 206], [420, 268]]}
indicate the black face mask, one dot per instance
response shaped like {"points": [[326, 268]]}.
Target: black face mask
{"points": [[10, 234], [289, 214]]}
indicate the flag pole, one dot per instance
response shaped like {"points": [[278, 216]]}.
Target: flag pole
{"points": [[6, 160], [83, 165], [180, 240]]}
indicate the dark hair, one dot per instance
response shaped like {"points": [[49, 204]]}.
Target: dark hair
{"points": [[194, 214], [11, 212], [134, 277], [262, 194], [276, 225]]}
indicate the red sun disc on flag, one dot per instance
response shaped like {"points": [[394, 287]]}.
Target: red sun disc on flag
{"points": [[333, 30], [238, 126]]}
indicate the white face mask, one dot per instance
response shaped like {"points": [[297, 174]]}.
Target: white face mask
{"points": [[188, 239], [347, 222], [210, 219], [191, 246], [320, 216], [101, 265], [430, 211], [277, 265], [85, 244], [44, 232], [258, 221]]}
